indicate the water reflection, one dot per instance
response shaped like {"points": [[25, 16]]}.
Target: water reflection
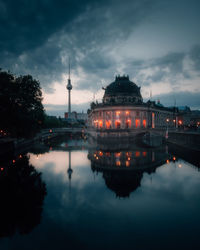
{"points": [[22, 193], [123, 166], [90, 216]]}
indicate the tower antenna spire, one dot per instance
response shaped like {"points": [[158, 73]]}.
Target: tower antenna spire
{"points": [[69, 88], [69, 67]]}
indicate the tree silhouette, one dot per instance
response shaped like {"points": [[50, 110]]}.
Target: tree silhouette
{"points": [[21, 108]]}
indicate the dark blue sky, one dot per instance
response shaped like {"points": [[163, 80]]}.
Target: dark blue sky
{"points": [[156, 42]]}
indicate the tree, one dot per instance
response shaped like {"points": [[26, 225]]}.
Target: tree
{"points": [[21, 109]]}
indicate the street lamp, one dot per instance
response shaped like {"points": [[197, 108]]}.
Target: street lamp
{"points": [[166, 135]]}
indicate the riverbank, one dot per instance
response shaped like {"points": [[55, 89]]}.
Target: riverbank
{"points": [[14, 146]]}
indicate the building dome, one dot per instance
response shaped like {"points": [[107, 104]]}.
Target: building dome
{"points": [[122, 90]]}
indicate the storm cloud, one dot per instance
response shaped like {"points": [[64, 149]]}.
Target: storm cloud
{"points": [[156, 42]]}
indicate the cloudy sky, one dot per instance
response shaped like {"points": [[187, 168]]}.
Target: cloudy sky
{"points": [[155, 42]]}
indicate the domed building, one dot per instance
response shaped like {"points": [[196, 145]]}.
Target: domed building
{"points": [[123, 109], [122, 90]]}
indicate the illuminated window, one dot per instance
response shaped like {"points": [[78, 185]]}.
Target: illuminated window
{"points": [[117, 154], [137, 154], [127, 163], [137, 123], [153, 120], [96, 123], [127, 113], [128, 123], [118, 163], [108, 124], [144, 153], [117, 124], [100, 124], [144, 123]]}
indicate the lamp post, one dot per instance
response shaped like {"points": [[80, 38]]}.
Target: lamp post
{"points": [[166, 135]]}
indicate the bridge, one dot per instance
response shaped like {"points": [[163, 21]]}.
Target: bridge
{"points": [[10, 145]]}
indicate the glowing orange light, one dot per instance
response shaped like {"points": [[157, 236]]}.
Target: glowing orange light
{"points": [[118, 163], [144, 153], [128, 153], [153, 120], [129, 158], [127, 112], [174, 121], [117, 123], [97, 157], [117, 113], [117, 154], [144, 123], [108, 124], [174, 158], [167, 120], [127, 163], [20, 156], [179, 165], [100, 124], [137, 153], [128, 123], [13, 161], [100, 153], [167, 161], [180, 122], [137, 123], [1, 169]]}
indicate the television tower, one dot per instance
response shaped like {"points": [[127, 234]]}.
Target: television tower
{"points": [[69, 88]]}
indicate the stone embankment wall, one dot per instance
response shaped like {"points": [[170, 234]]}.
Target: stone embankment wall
{"points": [[189, 140]]}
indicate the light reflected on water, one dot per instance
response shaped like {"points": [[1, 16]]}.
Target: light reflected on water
{"points": [[113, 199]]}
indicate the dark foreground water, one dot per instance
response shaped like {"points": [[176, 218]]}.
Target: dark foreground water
{"points": [[125, 197]]}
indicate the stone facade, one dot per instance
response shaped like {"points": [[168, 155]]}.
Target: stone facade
{"points": [[123, 108]]}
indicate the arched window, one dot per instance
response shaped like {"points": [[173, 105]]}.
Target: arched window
{"points": [[117, 124], [108, 124], [100, 124], [128, 123], [144, 123], [137, 123]]}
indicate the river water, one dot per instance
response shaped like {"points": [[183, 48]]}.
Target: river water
{"points": [[100, 197]]}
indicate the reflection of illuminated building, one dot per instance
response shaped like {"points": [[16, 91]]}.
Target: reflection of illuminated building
{"points": [[123, 108], [123, 169]]}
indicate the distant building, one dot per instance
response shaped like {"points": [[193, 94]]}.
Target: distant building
{"points": [[74, 116], [188, 117], [123, 108]]}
